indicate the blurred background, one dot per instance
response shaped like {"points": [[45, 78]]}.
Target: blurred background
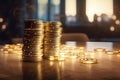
{"points": [[98, 19]]}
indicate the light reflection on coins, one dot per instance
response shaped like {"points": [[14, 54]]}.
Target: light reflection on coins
{"points": [[52, 38], [41, 39], [33, 40]]}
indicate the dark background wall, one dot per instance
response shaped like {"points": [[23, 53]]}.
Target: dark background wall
{"points": [[14, 12]]}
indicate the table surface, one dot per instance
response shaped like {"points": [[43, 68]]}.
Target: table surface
{"points": [[13, 68]]}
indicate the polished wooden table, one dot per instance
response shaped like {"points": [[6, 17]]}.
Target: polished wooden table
{"points": [[13, 68]]}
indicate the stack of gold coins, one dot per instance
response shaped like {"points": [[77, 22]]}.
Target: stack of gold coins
{"points": [[52, 39], [33, 40]]}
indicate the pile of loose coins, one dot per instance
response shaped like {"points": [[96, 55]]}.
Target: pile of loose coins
{"points": [[12, 48], [52, 39], [33, 40]]}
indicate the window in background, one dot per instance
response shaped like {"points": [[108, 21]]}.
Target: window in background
{"points": [[71, 43], [49, 10], [43, 9], [55, 10], [70, 11], [98, 7]]}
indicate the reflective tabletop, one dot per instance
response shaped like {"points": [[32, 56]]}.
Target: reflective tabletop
{"points": [[13, 68]]}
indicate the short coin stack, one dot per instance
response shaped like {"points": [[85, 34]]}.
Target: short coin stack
{"points": [[33, 40], [52, 38]]}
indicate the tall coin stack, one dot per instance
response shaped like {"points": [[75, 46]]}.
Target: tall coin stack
{"points": [[33, 40], [52, 39]]}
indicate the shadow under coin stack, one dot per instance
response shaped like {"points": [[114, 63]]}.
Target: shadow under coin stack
{"points": [[52, 39], [33, 40]]}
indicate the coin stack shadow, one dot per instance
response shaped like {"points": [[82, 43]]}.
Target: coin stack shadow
{"points": [[52, 39], [33, 40]]}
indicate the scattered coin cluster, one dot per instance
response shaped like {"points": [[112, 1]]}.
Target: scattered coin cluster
{"points": [[11, 48]]}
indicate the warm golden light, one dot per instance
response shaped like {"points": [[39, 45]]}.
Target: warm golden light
{"points": [[4, 27], [117, 22], [88, 58], [114, 17], [12, 48], [98, 7], [51, 58], [99, 50], [110, 52], [1, 19], [51, 63], [61, 56], [112, 28], [70, 7]]}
